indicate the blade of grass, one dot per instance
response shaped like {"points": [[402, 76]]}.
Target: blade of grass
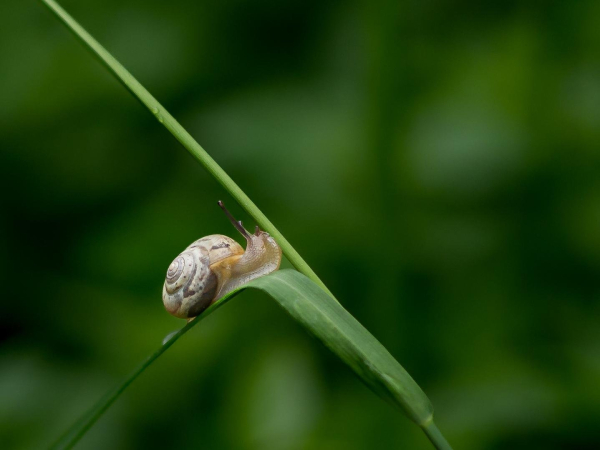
{"points": [[327, 320], [313, 306], [186, 139]]}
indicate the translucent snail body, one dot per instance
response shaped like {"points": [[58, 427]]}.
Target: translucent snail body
{"points": [[214, 265]]}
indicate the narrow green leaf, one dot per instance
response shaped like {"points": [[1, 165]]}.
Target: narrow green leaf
{"points": [[328, 321], [347, 338]]}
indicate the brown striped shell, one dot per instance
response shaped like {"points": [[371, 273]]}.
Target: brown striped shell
{"points": [[191, 283]]}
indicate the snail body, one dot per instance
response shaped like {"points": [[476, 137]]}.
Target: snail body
{"points": [[214, 265]]}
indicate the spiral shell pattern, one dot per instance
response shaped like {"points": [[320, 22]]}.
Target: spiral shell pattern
{"points": [[190, 285]]}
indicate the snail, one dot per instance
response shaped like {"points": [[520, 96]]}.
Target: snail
{"points": [[214, 265]]}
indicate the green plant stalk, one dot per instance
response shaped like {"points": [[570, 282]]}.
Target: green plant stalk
{"points": [[185, 138], [435, 436], [85, 422]]}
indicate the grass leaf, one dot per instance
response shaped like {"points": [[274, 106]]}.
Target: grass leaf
{"points": [[326, 319]]}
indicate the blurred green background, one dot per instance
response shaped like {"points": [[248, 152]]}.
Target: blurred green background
{"points": [[435, 162]]}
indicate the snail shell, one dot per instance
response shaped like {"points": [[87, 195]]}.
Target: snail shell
{"points": [[191, 284], [215, 265]]}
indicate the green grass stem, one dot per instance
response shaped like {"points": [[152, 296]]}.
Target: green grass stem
{"points": [[185, 138], [85, 422]]}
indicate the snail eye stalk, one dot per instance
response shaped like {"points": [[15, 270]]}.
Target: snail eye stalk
{"points": [[236, 223]]}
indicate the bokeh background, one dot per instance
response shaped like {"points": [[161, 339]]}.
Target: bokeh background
{"points": [[437, 163]]}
